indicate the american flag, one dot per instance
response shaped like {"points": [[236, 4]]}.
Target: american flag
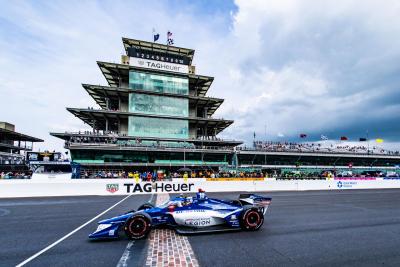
{"points": [[170, 41]]}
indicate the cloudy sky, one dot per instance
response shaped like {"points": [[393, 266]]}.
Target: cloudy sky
{"points": [[284, 67]]}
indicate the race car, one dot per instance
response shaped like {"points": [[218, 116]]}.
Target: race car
{"points": [[188, 215]]}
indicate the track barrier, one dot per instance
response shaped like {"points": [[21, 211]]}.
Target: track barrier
{"points": [[81, 187]]}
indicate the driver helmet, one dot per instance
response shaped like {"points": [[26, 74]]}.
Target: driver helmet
{"points": [[201, 194]]}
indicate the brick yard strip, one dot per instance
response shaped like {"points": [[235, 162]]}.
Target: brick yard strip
{"points": [[167, 248]]}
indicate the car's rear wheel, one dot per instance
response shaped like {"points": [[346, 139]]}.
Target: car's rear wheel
{"points": [[137, 227], [252, 220]]}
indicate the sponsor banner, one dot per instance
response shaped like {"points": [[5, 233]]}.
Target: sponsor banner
{"points": [[112, 188], [346, 184], [158, 187], [157, 65], [43, 156], [234, 179]]}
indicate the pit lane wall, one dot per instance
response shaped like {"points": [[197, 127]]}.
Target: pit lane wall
{"points": [[80, 187]]}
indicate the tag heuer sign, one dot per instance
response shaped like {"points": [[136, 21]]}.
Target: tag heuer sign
{"points": [[158, 65], [112, 188]]}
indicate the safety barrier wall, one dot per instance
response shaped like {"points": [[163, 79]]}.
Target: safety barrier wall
{"points": [[79, 187]]}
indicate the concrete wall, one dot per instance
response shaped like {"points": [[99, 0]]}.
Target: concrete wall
{"points": [[192, 132], [64, 187], [124, 106], [192, 111], [123, 127]]}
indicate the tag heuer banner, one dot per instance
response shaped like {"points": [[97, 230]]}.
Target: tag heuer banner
{"points": [[158, 65]]}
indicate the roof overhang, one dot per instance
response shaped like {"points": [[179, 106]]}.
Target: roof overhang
{"points": [[97, 118], [212, 142], [15, 136], [117, 74], [101, 93]]}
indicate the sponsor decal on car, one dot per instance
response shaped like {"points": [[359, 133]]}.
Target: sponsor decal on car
{"points": [[198, 222], [188, 211], [112, 188], [158, 187]]}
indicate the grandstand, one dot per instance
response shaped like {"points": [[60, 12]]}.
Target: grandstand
{"points": [[13, 146]]}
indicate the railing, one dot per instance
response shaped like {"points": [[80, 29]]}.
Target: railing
{"points": [[22, 147], [69, 144], [116, 134]]}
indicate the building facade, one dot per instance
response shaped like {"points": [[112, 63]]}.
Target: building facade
{"points": [[13, 148]]}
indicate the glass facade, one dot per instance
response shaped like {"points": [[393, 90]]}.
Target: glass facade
{"points": [[159, 105], [158, 83], [158, 127], [92, 156]]}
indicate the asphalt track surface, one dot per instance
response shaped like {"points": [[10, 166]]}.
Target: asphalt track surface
{"points": [[314, 228]]}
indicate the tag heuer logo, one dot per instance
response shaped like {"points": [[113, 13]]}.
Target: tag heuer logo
{"points": [[112, 188]]}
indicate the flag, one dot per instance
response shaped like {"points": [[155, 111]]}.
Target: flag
{"points": [[379, 140], [363, 139], [344, 138], [156, 36], [303, 135], [170, 41], [324, 137]]}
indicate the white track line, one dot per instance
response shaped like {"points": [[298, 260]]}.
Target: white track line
{"points": [[123, 261], [71, 233]]}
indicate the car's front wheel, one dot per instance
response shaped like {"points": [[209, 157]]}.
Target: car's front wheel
{"points": [[137, 227], [252, 219]]}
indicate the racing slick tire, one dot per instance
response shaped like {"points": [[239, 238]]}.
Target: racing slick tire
{"points": [[146, 206], [137, 227], [252, 219]]}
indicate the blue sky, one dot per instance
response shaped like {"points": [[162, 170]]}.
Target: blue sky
{"points": [[291, 67]]}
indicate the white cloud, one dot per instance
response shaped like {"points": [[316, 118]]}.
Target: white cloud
{"points": [[314, 66]]}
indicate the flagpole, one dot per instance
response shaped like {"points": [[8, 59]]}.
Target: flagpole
{"points": [[265, 132]]}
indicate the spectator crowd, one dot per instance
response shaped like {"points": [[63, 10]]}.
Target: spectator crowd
{"points": [[318, 147]]}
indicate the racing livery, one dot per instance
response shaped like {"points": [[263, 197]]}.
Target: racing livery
{"points": [[187, 215]]}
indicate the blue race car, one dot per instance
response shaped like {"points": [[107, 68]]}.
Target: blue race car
{"points": [[188, 215]]}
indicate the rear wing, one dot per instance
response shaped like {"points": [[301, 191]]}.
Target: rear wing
{"points": [[254, 200]]}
